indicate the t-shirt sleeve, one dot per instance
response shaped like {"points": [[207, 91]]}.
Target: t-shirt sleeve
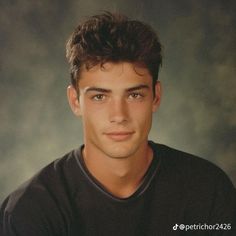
{"points": [[21, 219], [224, 205], [31, 211]]}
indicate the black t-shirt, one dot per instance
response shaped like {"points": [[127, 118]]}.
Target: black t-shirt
{"points": [[64, 199]]}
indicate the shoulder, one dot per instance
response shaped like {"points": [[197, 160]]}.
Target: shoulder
{"points": [[43, 189], [183, 161], [201, 185], [191, 169]]}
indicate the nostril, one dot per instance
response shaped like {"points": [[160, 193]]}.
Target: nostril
{"points": [[118, 118]]}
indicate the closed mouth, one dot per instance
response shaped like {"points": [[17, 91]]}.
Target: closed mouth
{"points": [[120, 135]]}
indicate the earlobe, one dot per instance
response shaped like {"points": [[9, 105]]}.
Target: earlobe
{"points": [[157, 98], [73, 100]]}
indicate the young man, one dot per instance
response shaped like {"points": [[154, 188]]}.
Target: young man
{"points": [[118, 182]]}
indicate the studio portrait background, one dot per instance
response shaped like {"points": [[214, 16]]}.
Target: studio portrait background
{"points": [[197, 112]]}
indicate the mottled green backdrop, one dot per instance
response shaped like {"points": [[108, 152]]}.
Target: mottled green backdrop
{"points": [[197, 114]]}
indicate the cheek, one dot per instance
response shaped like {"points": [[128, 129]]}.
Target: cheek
{"points": [[89, 109], [93, 116], [142, 114]]}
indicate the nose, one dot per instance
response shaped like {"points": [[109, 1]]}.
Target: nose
{"points": [[118, 111]]}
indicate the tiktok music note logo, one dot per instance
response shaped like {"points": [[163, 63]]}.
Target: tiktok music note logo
{"points": [[175, 227]]}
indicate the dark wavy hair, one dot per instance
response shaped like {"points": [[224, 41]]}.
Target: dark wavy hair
{"points": [[112, 37]]}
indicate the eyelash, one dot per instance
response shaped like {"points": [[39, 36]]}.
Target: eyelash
{"points": [[136, 95], [96, 97]]}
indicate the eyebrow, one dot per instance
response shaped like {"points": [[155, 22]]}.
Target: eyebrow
{"points": [[97, 89], [104, 90], [138, 87]]}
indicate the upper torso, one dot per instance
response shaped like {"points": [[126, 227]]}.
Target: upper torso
{"points": [[65, 199]]}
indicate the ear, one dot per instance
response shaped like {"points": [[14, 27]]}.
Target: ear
{"points": [[73, 100], [157, 98]]}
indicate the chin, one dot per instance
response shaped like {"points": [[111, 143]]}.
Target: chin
{"points": [[120, 152]]}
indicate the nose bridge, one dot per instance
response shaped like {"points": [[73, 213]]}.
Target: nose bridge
{"points": [[118, 110]]}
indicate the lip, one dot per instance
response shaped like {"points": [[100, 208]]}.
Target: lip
{"points": [[119, 136]]}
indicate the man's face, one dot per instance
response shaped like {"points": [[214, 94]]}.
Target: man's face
{"points": [[116, 103]]}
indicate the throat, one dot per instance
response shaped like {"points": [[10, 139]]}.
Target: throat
{"points": [[120, 177]]}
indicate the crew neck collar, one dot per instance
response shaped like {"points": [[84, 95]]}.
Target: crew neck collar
{"points": [[143, 186]]}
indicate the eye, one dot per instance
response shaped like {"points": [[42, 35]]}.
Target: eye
{"points": [[98, 97], [135, 96]]}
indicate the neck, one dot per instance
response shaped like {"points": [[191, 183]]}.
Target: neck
{"points": [[121, 177]]}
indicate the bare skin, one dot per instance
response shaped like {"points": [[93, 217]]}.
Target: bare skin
{"points": [[116, 104]]}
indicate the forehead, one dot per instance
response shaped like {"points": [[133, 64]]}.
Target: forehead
{"points": [[114, 74]]}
